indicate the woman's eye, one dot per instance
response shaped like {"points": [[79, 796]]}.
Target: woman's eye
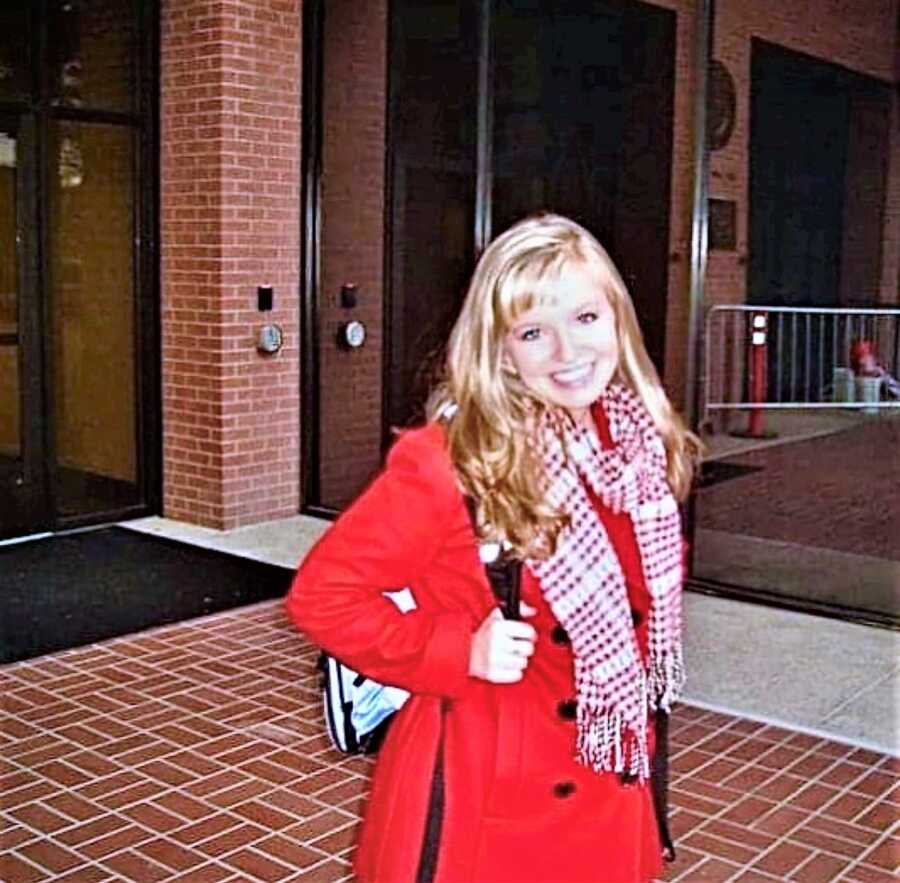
{"points": [[587, 317], [529, 334]]}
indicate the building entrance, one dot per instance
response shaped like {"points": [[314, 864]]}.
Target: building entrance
{"points": [[496, 110], [563, 107]]}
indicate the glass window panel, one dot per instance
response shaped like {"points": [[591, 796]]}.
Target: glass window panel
{"points": [[92, 277], [93, 48], [15, 40], [583, 98], [433, 187], [798, 496], [10, 419]]}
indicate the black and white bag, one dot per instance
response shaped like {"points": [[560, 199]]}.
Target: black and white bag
{"points": [[358, 709]]}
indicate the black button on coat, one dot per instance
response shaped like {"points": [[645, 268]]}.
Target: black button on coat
{"points": [[567, 709], [559, 635]]}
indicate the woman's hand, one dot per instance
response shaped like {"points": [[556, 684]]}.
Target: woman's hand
{"points": [[501, 648]]}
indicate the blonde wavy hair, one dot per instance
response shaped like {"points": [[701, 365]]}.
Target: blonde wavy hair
{"points": [[487, 433]]}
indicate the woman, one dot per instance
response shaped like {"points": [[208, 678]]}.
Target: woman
{"points": [[524, 751]]}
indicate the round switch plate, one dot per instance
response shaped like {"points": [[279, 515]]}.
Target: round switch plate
{"points": [[353, 334]]}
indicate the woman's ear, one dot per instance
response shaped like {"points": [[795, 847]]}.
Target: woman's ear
{"points": [[507, 364]]}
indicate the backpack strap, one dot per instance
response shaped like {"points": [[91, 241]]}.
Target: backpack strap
{"points": [[504, 573], [659, 783]]}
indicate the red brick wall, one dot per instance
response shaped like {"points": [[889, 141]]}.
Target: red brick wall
{"points": [[864, 189], [230, 216]]}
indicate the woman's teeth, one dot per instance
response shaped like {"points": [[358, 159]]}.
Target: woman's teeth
{"points": [[573, 376]]}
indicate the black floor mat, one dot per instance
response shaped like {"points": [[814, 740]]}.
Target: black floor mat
{"points": [[715, 471], [67, 591]]}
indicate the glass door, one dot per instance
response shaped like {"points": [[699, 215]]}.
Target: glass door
{"points": [[23, 485], [798, 503], [583, 104], [78, 340], [576, 106]]}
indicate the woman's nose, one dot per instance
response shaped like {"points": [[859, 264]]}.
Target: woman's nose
{"points": [[565, 345]]}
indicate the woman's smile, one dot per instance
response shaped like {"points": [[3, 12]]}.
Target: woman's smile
{"points": [[576, 376]]}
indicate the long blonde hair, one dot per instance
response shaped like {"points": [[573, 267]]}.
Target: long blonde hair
{"points": [[487, 434]]}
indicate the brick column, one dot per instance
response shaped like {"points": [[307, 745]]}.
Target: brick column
{"points": [[230, 220]]}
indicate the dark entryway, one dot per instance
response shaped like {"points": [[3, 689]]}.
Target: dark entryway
{"points": [[496, 109], [502, 109], [78, 340], [819, 139]]}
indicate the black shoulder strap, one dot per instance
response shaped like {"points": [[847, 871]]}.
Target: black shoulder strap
{"points": [[504, 573], [659, 783]]}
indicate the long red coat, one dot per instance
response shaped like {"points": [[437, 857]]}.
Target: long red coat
{"points": [[518, 807]]}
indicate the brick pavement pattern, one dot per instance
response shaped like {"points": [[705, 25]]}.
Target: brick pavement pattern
{"points": [[835, 492], [195, 752]]}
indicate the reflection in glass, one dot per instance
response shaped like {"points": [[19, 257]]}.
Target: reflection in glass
{"points": [[15, 20], [71, 163], [92, 44], [10, 418], [92, 278], [433, 185], [799, 499]]}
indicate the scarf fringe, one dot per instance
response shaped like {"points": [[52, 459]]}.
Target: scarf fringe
{"points": [[607, 743], [665, 680]]}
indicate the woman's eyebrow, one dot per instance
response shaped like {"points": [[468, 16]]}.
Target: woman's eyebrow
{"points": [[523, 323]]}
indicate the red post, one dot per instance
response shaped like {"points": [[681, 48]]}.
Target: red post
{"points": [[757, 376], [759, 368]]}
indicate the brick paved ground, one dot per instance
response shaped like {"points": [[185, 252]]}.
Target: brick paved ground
{"points": [[195, 752]]}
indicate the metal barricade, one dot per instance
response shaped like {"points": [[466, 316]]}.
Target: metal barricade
{"points": [[761, 357]]}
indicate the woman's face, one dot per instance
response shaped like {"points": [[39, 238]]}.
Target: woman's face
{"points": [[565, 350]]}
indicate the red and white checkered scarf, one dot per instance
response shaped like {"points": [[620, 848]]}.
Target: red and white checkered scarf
{"points": [[584, 584]]}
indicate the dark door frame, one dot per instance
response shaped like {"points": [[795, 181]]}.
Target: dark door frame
{"points": [[311, 257]]}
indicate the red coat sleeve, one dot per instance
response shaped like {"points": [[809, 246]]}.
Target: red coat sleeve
{"points": [[386, 540]]}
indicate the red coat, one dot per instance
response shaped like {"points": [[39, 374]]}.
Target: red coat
{"points": [[518, 807]]}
